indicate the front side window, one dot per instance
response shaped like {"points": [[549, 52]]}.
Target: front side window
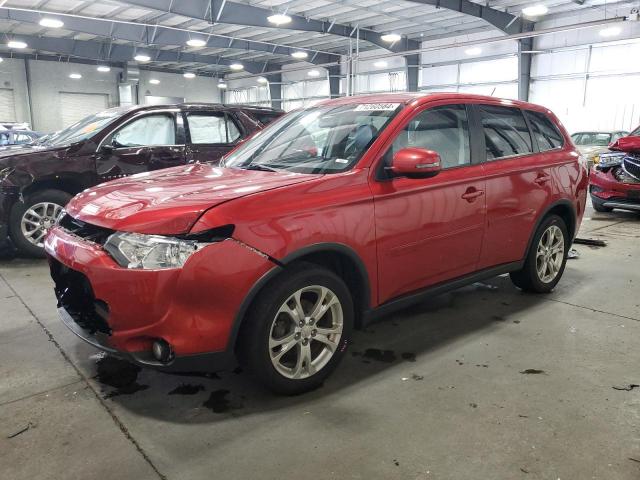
{"points": [[211, 128], [444, 130], [325, 139], [505, 132], [545, 132], [159, 129]]}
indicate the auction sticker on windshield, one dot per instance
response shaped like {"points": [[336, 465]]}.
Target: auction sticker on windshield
{"points": [[377, 107]]}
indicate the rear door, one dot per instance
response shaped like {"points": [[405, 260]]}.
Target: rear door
{"points": [[149, 141], [210, 135], [430, 230], [519, 183]]}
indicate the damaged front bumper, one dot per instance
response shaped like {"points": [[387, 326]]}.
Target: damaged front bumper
{"points": [[615, 183]]}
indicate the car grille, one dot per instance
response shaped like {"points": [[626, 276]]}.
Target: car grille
{"points": [[75, 295], [631, 165], [84, 230]]}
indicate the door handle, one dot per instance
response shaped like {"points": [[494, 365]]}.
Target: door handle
{"points": [[471, 194], [542, 179]]}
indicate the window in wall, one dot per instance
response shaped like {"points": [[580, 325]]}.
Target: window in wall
{"points": [[147, 130], [212, 128], [544, 131], [444, 130], [505, 132]]}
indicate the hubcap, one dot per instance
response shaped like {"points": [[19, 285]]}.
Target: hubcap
{"points": [[305, 332], [37, 220], [550, 254]]}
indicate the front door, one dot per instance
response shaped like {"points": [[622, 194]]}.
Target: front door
{"points": [[147, 142], [430, 230], [211, 135]]}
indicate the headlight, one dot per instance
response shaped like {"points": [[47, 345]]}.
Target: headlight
{"points": [[150, 252], [611, 159]]}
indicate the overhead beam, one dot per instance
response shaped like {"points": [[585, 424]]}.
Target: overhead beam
{"points": [[158, 35], [251, 16], [503, 21], [99, 51]]}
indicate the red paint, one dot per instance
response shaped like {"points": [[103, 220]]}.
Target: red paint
{"points": [[408, 233]]}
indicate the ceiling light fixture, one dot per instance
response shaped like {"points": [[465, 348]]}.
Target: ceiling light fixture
{"points": [[299, 54], [313, 73], [380, 64], [391, 37], [16, 44], [279, 19], [473, 51], [51, 23], [610, 31], [196, 42], [262, 80], [535, 10], [154, 81], [142, 58], [222, 85], [103, 68], [236, 66], [1, 60], [189, 75], [75, 76]]}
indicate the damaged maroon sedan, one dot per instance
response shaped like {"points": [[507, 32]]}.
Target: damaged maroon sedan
{"points": [[615, 181]]}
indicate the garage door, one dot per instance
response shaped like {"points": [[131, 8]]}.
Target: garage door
{"points": [[7, 105], [76, 106]]}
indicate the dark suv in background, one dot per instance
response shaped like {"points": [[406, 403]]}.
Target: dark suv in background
{"points": [[36, 183]]}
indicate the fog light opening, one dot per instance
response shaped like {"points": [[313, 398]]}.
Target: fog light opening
{"points": [[162, 351]]}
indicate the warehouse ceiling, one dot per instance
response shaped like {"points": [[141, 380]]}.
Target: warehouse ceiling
{"points": [[238, 31]]}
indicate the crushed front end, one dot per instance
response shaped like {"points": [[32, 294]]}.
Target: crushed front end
{"points": [[615, 181]]}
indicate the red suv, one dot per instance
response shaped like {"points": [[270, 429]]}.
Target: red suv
{"points": [[327, 218]]}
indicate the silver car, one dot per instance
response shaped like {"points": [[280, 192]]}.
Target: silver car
{"points": [[592, 144]]}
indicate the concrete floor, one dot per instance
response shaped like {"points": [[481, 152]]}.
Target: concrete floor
{"points": [[435, 392]]}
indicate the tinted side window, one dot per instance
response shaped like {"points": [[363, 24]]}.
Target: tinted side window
{"points": [[149, 130], [265, 117], [444, 130], [211, 128], [505, 132], [546, 133]]}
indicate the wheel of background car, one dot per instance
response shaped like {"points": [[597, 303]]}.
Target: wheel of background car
{"points": [[297, 329], [546, 258], [30, 220]]}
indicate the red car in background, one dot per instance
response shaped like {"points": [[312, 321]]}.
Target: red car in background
{"points": [[615, 181], [327, 218]]}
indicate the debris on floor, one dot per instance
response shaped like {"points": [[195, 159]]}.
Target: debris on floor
{"points": [[573, 254], [386, 356], [21, 431], [187, 389], [590, 241], [533, 371], [626, 388], [413, 377]]}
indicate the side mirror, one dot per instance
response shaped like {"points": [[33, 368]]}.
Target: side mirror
{"points": [[416, 163]]}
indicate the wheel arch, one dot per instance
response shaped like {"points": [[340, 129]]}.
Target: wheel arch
{"points": [[565, 210], [64, 183]]}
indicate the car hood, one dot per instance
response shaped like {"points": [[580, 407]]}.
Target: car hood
{"points": [[170, 201], [13, 154]]}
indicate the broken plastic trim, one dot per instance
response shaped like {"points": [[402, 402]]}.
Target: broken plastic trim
{"points": [[210, 236]]}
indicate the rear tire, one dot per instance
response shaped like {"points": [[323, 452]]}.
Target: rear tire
{"points": [[29, 220], [297, 330], [598, 205], [546, 258]]}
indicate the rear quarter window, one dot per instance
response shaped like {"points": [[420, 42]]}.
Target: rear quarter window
{"points": [[544, 131], [265, 118], [506, 133]]}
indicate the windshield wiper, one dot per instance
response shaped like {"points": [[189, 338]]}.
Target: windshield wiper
{"points": [[257, 166]]}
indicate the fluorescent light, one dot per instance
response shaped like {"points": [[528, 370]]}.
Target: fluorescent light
{"points": [[279, 19], [75, 76], [380, 64], [154, 81], [104, 68], [473, 51], [390, 37], [299, 54], [189, 75], [236, 66], [313, 73], [222, 85], [196, 42], [262, 80], [1, 60], [51, 23], [610, 31], [535, 10], [16, 44], [142, 58]]}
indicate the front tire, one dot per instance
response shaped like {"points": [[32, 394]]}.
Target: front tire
{"points": [[30, 220], [298, 329], [546, 258]]}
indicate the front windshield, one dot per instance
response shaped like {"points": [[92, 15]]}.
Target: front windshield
{"points": [[592, 138], [324, 139], [85, 128]]}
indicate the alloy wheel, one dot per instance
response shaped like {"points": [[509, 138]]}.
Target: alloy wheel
{"points": [[306, 332], [550, 254], [37, 220]]}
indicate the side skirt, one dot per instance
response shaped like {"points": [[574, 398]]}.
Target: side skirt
{"points": [[440, 288]]}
